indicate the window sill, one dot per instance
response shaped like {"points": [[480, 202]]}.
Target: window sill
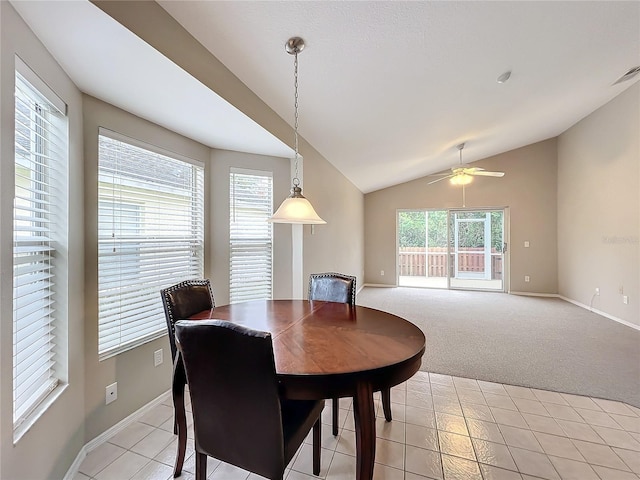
{"points": [[130, 346], [24, 427]]}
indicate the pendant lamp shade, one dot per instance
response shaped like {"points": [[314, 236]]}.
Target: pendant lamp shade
{"points": [[296, 208]]}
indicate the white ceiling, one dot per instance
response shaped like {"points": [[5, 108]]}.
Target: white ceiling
{"points": [[387, 88], [107, 61]]}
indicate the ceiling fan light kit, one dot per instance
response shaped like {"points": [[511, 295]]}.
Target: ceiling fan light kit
{"points": [[461, 179], [463, 174]]}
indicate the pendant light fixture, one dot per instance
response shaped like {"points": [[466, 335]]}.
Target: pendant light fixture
{"points": [[296, 208]]}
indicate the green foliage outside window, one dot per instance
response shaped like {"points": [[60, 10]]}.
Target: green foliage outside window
{"points": [[412, 226]]}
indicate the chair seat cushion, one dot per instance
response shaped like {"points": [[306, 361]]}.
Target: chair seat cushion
{"points": [[298, 416]]}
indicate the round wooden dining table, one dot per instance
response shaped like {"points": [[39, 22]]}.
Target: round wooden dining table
{"points": [[326, 350]]}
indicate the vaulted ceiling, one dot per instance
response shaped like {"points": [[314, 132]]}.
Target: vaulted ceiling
{"points": [[387, 88]]}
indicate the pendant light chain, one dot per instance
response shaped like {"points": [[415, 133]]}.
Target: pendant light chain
{"points": [[296, 209], [296, 180]]}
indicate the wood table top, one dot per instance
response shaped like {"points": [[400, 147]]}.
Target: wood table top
{"points": [[332, 350], [326, 338]]}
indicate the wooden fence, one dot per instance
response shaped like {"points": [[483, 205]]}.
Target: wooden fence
{"points": [[415, 262]]}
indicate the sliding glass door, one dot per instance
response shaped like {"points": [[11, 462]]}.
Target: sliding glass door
{"points": [[476, 249], [461, 249], [422, 248]]}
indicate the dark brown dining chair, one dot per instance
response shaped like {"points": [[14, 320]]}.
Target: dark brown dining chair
{"points": [[239, 415], [341, 288], [332, 287], [180, 302]]}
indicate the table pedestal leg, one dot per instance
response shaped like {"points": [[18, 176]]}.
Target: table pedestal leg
{"points": [[365, 420]]}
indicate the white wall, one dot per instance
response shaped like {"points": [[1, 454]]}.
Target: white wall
{"points": [[599, 208]]}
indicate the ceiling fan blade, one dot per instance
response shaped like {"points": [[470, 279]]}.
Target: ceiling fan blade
{"points": [[466, 170], [484, 173], [438, 179]]}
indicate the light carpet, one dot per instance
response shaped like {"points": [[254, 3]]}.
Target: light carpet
{"points": [[538, 342]]}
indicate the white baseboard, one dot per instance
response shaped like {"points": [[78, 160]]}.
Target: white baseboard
{"points": [[532, 294], [106, 435], [73, 469], [599, 312], [549, 295], [581, 305]]}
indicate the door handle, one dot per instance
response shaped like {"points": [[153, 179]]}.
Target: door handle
{"points": [[504, 248]]}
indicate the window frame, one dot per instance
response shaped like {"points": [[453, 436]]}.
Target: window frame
{"points": [[121, 323], [40, 231], [238, 287]]}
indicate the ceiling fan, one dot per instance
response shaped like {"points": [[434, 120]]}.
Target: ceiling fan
{"points": [[463, 174]]}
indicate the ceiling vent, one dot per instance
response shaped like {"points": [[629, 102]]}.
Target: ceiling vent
{"points": [[629, 75]]}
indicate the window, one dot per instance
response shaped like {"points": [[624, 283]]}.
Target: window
{"points": [[39, 233], [250, 235], [150, 236]]}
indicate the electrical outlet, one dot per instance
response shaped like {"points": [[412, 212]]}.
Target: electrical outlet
{"points": [[526, 244], [527, 278], [111, 393], [625, 299], [382, 273], [597, 291], [157, 358]]}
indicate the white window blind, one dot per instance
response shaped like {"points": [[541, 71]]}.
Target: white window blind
{"points": [[38, 226], [251, 239], [150, 236]]}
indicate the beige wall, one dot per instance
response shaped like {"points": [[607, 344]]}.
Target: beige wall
{"points": [[336, 246], [597, 171], [52, 443], [80, 415], [217, 263], [129, 367], [339, 245], [528, 189], [599, 208]]}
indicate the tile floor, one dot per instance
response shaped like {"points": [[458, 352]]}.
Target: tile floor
{"points": [[443, 427]]}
